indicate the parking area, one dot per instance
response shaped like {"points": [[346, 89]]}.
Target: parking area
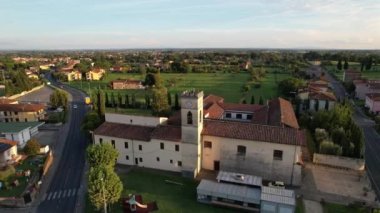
{"points": [[40, 96], [47, 137], [340, 182]]}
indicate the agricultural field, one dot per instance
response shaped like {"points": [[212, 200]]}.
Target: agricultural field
{"points": [[228, 85], [372, 74]]}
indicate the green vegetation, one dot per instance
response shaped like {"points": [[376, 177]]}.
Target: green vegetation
{"points": [[7, 172], [32, 147], [101, 155], [59, 98], [337, 208], [300, 206], [170, 197]]}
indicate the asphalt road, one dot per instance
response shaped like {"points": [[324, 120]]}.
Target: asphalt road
{"points": [[62, 192], [372, 138]]}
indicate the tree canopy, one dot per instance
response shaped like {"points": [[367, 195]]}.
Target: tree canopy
{"points": [[101, 155], [58, 98], [32, 147]]}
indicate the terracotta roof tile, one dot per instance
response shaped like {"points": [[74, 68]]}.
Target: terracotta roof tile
{"points": [[214, 111], [322, 96], [126, 131], [167, 132], [254, 132], [212, 99], [374, 96], [21, 107], [281, 112], [240, 107]]}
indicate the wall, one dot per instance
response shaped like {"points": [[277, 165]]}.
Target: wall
{"points": [[21, 137], [149, 153], [257, 161], [374, 106], [26, 92], [339, 161], [135, 119], [360, 91], [7, 155]]}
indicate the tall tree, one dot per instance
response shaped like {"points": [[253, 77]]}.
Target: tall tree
{"points": [[253, 99], [160, 104], [339, 65], [368, 64], [345, 66], [101, 155], [119, 100], [101, 104], [261, 100], [126, 101], [133, 101], [113, 100], [107, 101], [176, 102], [169, 98], [104, 186], [58, 98]]}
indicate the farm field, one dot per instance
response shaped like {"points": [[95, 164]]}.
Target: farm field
{"points": [[372, 74], [227, 85]]}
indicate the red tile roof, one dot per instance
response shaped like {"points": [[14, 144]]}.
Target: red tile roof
{"points": [[126, 131], [254, 132], [21, 107], [241, 107], [281, 112], [374, 96], [322, 96], [214, 111], [7, 101], [210, 99], [167, 132]]}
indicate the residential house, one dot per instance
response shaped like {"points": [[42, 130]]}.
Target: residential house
{"points": [[350, 75], [202, 136], [8, 152], [116, 69], [364, 87], [31, 74], [126, 84], [372, 101], [20, 132], [317, 96], [95, 74], [21, 112], [73, 75]]}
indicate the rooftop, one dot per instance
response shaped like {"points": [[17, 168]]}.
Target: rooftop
{"points": [[126, 131], [6, 144], [238, 178], [21, 107], [278, 195], [374, 96], [13, 127]]}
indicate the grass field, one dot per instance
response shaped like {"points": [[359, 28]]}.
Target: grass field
{"points": [[372, 74], [336, 208], [228, 85], [169, 197]]}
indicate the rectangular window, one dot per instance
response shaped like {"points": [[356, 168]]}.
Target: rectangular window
{"points": [[17, 120], [100, 140], [140, 147], [26, 120], [238, 116], [161, 145], [16, 113], [179, 163], [171, 161], [228, 115], [241, 150], [177, 148], [141, 160], [207, 144], [126, 145], [127, 157], [113, 143], [157, 159], [249, 117], [277, 154], [5, 113]]}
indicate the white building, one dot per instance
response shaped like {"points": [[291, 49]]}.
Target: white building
{"points": [[19, 131], [201, 136]]}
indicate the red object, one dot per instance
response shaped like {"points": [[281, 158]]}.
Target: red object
{"points": [[127, 207]]}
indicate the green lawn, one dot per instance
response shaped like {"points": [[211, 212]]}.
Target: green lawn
{"points": [[130, 111], [228, 85], [169, 197], [18, 190], [336, 208], [372, 74]]}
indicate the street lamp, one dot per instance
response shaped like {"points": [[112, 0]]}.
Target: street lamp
{"points": [[104, 196]]}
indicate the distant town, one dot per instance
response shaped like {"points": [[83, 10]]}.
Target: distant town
{"points": [[190, 130]]}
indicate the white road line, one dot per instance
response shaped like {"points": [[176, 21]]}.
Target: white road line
{"points": [[69, 194], [75, 192], [43, 197], [49, 196], [59, 194], [64, 194], [55, 193]]}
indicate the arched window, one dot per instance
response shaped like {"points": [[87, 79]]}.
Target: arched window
{"points": [[189, 118]]}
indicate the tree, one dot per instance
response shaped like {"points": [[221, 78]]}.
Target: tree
{"points": [[58, 99], [101, 105], [244, 101], [290, 86], [150, 80], [126, 101], [104, 186], [142, 70], [133, 100], [368, 64], [345, 66], [113, 100], [119, 100], [339, 65], [261, 100], [160, 104], [91, 121], [101, 155], [176, 102], [107, 101], [169, 98], [253, 99], [32, 147]]}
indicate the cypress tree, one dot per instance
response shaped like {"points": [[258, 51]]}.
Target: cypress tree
{"points": [[253, 99], [176, 102], [133, 101], [345, 66], [101, 104], [339, 65], [261, 100], [126, 101], [120, 100], [107, 100], [169, 99], [113, 101]]}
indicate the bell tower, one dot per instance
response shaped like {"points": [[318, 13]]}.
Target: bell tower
{"points": [[191, 129]]}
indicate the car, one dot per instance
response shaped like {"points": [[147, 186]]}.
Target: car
{"points": [[277, 184], [75, 106]]}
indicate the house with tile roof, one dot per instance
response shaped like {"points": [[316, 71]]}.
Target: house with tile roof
{"points": [[209, 134], [372, 101], [317, 96], [8, 152], [364, 87], [351, 75], [95, 74], [72, 75], [21, 112]]}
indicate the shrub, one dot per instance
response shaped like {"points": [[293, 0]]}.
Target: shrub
{"points": [[32, 147], [7, 172], [329, 148]]}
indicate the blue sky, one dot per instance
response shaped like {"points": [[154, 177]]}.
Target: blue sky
{"points": [[77, 24]]}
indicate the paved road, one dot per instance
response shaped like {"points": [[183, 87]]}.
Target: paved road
{"points": [[372, 138], [62, 192]]}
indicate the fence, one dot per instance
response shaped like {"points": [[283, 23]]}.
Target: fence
{"points": [[339, 161]]}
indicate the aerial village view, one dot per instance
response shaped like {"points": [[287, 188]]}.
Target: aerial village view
{"points": [[202, 106]]}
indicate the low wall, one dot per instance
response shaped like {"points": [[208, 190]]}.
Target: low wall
{"points": [[26, 92], [339, 161], [48, 162]]}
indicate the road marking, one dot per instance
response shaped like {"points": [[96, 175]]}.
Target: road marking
{"points": [[55, 193], [69, 194], [59, 194], [64, 194], [43, 197], [49, 196], [74, 192]]}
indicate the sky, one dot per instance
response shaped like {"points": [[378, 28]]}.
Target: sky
{"points": [[119, 24]]}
